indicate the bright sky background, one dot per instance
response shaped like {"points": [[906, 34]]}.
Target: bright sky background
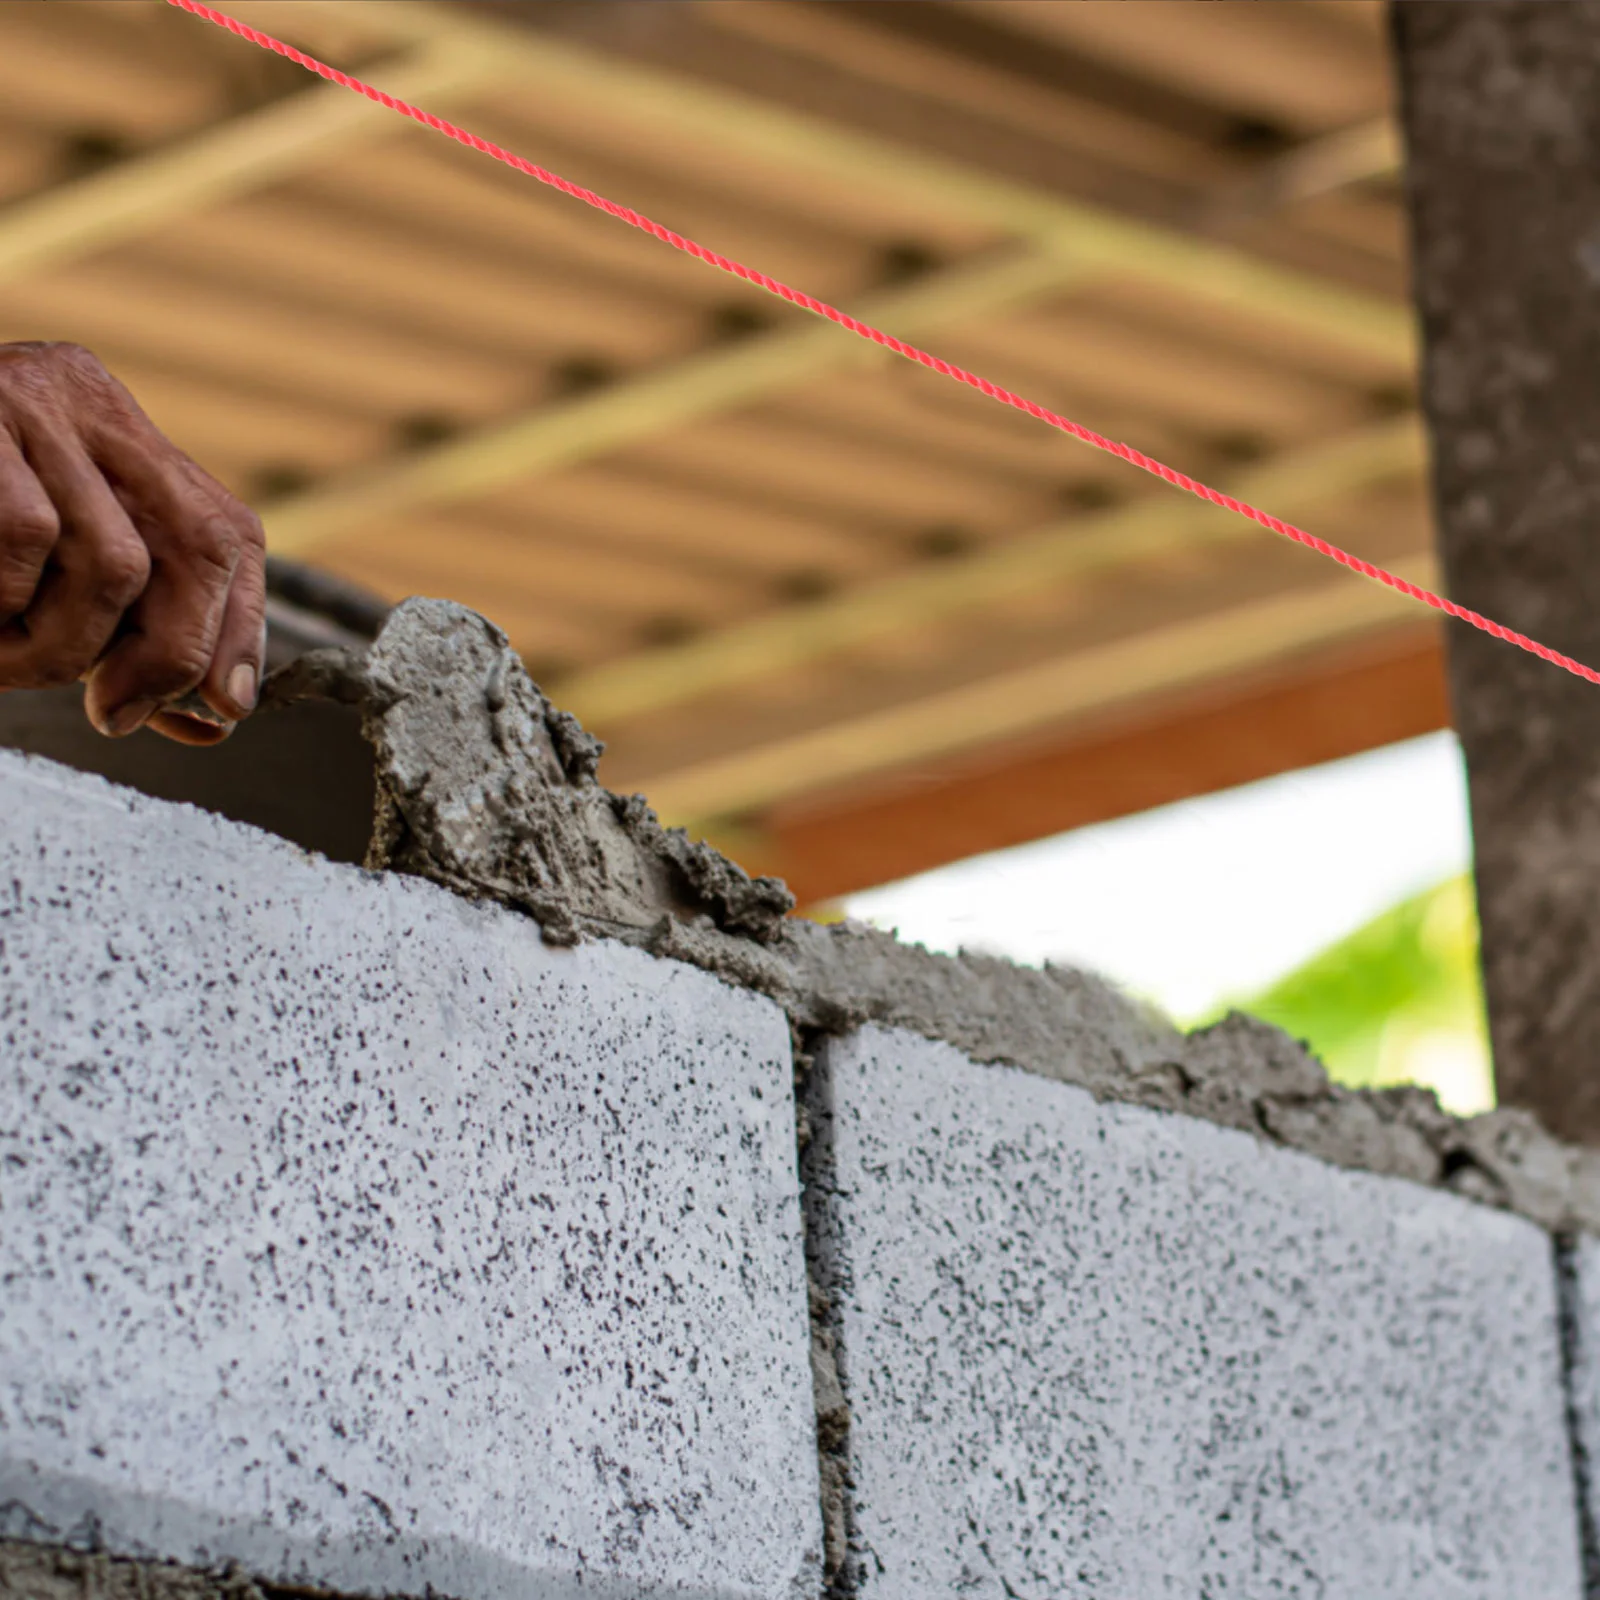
{"points": [[1212, 898]]}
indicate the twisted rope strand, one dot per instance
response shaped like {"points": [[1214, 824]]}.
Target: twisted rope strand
{"points": [[797, 297]]}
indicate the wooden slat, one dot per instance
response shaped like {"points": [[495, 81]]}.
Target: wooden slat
{"points": [[239, 433], [1372, 223], [554, 630], [481, 206], [894, 483], [1178, 318], [1287, 62], [620, 505], [427, 282], [139, 195], [216, 327], [1098, 359], [908, 408], [480, 555], [845, 38], [1013, 703], [73, 71], [30, 157], [551, 437], [1040, 562], [1366, 149], [1196, 743], [1028, 629], [652, 100], [806, 228]]}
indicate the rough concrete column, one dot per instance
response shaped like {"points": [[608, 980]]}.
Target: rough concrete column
{"points": [[1502, 119]]}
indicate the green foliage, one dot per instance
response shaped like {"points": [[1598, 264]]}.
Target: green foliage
{"points": [[1397, 1001]]}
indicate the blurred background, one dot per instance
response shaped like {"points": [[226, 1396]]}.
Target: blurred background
{"points": [[929, 661]]}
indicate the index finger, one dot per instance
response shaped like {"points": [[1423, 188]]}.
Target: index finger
{"points": [[198, 624]]}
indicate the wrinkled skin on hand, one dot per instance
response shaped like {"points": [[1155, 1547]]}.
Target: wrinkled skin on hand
{"points": [[121, 562]]}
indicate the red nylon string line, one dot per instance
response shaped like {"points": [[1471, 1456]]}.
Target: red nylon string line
{"points": [[797, 297]]}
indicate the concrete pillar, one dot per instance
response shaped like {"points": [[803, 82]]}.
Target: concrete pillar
{"points": [[1502, 120]]}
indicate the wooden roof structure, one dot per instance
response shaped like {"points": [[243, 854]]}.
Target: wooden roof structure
{"points": [[844, 616]]}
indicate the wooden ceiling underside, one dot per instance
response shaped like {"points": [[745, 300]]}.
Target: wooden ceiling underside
{"points": [[772, 566]]}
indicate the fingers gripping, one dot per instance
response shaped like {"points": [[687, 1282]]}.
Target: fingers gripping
{"points": [[233, 680], [120, 560], [95, 569], [29, 528], [198, 624]]}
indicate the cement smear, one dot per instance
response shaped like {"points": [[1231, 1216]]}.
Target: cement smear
{"points": [[485, 787]]}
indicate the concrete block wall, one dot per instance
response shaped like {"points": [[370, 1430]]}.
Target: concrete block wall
{"points": [[574, 1225], [350, 1233], [1096, 1349]]}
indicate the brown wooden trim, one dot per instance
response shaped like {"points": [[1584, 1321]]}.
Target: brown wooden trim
{"points": [[1337, 704]]}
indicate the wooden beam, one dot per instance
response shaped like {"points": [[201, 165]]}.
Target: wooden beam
{"points": [[1197, 742], [1013, 703], [555, 436], [1319, 166], [1064, 236], [228, 158], [656, 70], [1054, 554], [1133, 125]]}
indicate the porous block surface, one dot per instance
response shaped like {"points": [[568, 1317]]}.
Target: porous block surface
{"points": [[1093, 1349], [350, 1233]]}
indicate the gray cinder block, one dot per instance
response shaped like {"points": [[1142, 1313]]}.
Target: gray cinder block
{"points": [[1093, 1349], [349, 1233]]}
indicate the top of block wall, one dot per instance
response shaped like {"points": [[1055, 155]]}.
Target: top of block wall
{"points": [[486, 788]]}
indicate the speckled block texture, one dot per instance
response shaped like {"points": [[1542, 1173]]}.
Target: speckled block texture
{"points": [[1097, 1350], [350, 1233]]}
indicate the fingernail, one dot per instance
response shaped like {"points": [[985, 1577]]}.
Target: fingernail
{"points": [[242, 686], [129, 718]]}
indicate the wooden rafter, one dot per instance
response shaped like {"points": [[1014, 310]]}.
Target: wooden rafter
{"points": [[548, 438], [1061, 235], [1336, 704], [1051, 555], [1221, 642], [229, 158], [846, 153], [1201, 348]]}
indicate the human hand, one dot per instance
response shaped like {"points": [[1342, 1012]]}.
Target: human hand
{"points": [[121, 561]]}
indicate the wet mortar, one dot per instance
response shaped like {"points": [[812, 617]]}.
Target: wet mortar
{"points": [[485, 787]]}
